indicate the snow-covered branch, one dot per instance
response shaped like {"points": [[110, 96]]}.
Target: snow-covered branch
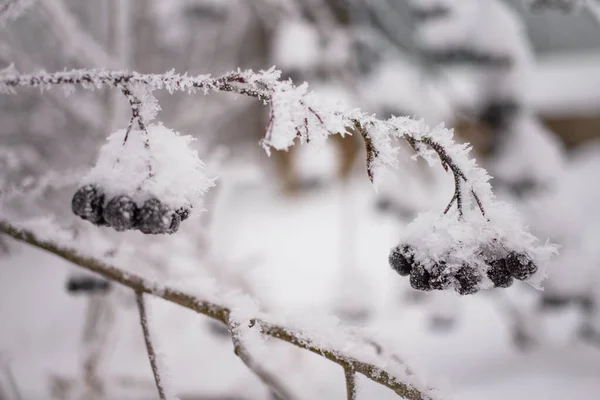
{"points": [[326, 343], [158, 379], [350, 383], [481, 245], [269, 379]]}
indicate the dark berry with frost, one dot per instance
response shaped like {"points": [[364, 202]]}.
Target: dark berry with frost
{"points": [[467, 280], [438, 276], [155, 217], [175, 222], [87, 284], [419, 278], [121, 213], [184, 212], [520, 266], [88, 202], [401, 259], [499, 274]]}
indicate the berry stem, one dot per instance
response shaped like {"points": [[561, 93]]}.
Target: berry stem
{"points": [[136, 104]]}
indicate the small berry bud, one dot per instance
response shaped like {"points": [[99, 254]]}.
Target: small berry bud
{"points": [[184, 212]]}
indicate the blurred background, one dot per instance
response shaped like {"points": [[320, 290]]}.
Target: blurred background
{"points": [[304, 231]]}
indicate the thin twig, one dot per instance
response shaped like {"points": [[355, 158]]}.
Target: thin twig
{"points": [[218, 312], [270, 380], [350, 383], [139, 296]]}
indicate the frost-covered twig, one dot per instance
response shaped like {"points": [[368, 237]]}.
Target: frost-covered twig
{"points": [[269, 379], [350, 383], [375, 368], [139, 296], [295, 113], [13, 9]]}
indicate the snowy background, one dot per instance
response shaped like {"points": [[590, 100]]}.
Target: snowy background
{"points": [[304, 232]]}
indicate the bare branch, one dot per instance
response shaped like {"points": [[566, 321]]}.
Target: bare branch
{"points": [[139, 296], [269, 379], [350, 383], [221, 313]]}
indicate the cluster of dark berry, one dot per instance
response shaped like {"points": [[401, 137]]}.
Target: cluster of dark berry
{"points": [[465, 279], [87, 284], [122, 213]]}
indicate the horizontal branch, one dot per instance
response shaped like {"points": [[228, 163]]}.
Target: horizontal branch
{"points": [[217, 312], [247, 83]]}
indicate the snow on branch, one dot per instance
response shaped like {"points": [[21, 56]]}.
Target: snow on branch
{"points": [[330, 341], [13, 9], [236, 330], [479, 244]]}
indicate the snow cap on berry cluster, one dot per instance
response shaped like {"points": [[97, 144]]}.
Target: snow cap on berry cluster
{"points": [[472, 241], [161, 164]]}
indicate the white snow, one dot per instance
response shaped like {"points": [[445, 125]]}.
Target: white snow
{"points": [[169, 169]]}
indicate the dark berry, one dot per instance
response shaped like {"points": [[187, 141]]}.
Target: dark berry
{"points": [[498, 273], [438, 277], [87, 284], [155, 218], [184, 212], [419, 278], [121, 213], [401, 259], [88, 204], [520, 266], [467, 279], [175, 222]]}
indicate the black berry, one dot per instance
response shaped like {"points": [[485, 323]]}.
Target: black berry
{"points": [[184, 212], [520, 266], [155, 218], [87, 284], [401, 259], [419, 278], [467, 279], [121, 213], [175, 222], [87, 204], [499, 274], [438, 277]]}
